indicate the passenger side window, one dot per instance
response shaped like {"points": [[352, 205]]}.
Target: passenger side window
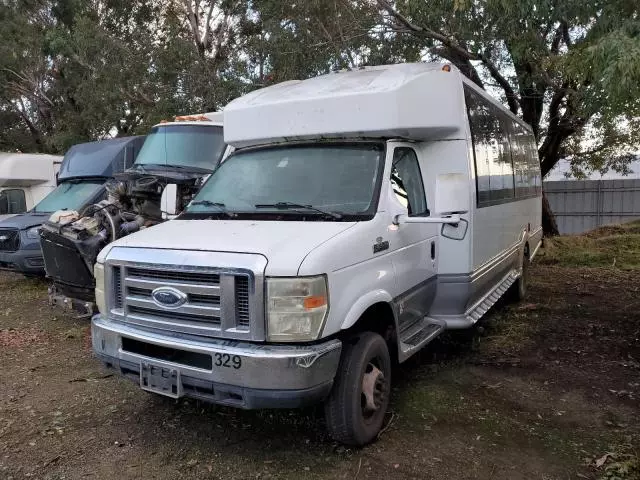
{"points": [[406, 180], [12, 202], [492, 150]]}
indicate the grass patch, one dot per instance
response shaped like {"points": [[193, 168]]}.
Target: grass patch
{"points": [[509, 331], [621, 463], [615, 246]]}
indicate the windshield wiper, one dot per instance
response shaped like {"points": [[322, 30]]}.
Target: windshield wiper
{"points": [[291, 205], [173, 166], [220, 206]]}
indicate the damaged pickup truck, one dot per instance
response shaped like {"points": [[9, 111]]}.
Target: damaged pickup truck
{"points": [[174, 161]]}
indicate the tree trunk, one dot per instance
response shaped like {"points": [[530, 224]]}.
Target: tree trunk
{"points": [[549, 225]]}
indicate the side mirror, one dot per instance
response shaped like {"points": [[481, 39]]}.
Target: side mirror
{"points": [[447, 220], [452, 194], [169, 201], [452, 200]]}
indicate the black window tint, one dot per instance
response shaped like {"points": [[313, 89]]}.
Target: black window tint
{"points": [[12, 202], [482, 135], [406, 181], [502, 169], [505, 154], [520, 155], [535, 167]]}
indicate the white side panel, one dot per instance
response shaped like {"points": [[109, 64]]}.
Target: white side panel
{"points": [[437, 158], [499, 227], [26, 169]]}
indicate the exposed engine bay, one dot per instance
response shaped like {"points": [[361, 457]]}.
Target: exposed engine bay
{"points": [[71, 241]]}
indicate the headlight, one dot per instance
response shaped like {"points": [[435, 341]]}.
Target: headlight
{"points": [[296, 308], [33, 233], [98, 273]]}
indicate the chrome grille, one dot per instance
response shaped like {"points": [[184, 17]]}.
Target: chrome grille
{"points": [[172, 276], [169, 315], [9, 240], [242, 301], [215, 304], [117, 287]]}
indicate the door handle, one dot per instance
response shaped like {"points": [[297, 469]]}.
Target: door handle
{"points": [[433, 250]]}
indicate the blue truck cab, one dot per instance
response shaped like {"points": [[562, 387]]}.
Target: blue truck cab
{"points": [[85, 169]]}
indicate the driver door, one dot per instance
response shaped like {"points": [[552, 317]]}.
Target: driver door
{"points": [[414, 258]]}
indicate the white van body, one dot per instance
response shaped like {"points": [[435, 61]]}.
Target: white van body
{"points": [[25, 179], [429, 210]]}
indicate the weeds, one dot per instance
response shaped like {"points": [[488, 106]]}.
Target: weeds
{"points": [[616, 246], [623, 463]]}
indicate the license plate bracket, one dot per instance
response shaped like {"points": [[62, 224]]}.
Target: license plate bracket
{"points": [[162, 380]]}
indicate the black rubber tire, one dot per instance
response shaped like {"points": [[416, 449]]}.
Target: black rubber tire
{"points": [[519, 289], [343, 411]]}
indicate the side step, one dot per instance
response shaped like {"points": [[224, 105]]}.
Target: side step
{"points": [[417, 334], [479, 309]]}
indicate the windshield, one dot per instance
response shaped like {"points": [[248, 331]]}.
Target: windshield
{"points": [[69, 196], [314, 180], [197, 146]]}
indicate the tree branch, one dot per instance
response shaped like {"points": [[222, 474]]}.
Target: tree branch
{"points": [[512, 98], [463, 63], [555, 43], [35, 133], [193, 21], [565, 33], [207, 30]]}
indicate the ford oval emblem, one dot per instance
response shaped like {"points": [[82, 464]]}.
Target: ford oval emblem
{"points": [[168, 297]]}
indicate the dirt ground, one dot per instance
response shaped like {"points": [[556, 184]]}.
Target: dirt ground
{"points": [[547, 389]]}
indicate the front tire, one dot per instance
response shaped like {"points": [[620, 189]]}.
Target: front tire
{"points": [[356, 407]]}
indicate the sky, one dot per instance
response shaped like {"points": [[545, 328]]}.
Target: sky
{"points": [[558, 173]]}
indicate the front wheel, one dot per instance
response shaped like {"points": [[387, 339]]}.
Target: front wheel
{"points": [[359, 399]]}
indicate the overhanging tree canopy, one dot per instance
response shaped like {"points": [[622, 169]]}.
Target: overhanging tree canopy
{"points": [[570, 69]]}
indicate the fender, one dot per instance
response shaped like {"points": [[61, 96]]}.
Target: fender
{"points": [[362, 304]]}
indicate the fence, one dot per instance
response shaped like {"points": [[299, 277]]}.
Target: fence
{"points": [[582, 205]]}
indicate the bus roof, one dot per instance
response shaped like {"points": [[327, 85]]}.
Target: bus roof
{"points": [[27, 169], [417, 101]]}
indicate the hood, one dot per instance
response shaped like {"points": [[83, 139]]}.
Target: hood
{"points": [[25, 220], [9, 215], [284, 244]]}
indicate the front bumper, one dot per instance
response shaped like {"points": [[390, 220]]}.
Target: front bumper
{"points": [[29, 262], [268, 376]]}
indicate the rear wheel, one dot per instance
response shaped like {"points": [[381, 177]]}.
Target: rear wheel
{"points": [[520, 287], [356, 407]]}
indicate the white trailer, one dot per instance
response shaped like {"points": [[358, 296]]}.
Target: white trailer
{"points": [[361, 214], [25, 179]]}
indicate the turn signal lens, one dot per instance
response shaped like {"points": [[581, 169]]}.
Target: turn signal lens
{"points": [[317, 301]]}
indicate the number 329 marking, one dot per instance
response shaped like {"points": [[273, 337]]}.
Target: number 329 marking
{"points": [[228, 361]]}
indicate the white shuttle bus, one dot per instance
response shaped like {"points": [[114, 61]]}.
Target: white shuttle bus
{"points": [[361, 214]]}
